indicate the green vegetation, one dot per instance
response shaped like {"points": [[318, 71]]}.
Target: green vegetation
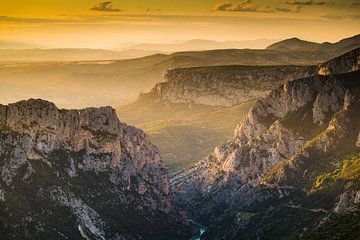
{"points": [[349, 170], [245, 216], [345, 226], [284, 218], [184, 133]]}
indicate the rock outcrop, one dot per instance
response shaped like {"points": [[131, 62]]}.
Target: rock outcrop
{"points": [[266, 137], [288, 138], [85, 167], [224, 86], [348, 201], [344, 63], [230, 85]]}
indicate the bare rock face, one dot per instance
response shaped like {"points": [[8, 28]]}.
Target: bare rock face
{"points": [[225, 86], [345, 63], [281, 146], [81, 157], [94, 131], [349, 201], [229, 85], [266, 137]]}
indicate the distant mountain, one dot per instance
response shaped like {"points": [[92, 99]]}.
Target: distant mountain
{"points": [[202, 44], [137, 53], [293, 44], [17, 45], [86, 83], [114, 82], [69, 54], [81, 174], [296, 44]]}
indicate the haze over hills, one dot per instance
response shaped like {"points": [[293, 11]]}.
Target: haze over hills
{"points": [[202, 44], [77, 84], [17, 45], [68, 54], [23, 52], [19, 52]]}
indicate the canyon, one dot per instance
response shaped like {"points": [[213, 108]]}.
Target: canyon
{"points": [[251, 151]]}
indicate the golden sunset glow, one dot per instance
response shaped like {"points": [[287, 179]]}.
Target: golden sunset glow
{"points": [[117, 23]]}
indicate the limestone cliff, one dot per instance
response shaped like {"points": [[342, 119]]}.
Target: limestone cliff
{"points": [[224, 86], [288, 139], [72, 174], [229, 85]]}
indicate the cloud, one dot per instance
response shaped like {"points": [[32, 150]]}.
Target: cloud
{"points": [[8, 19], [333, 17], [357, 17], [243, 6], [305, 2], [104, 7], [153, 10], [294, 9]]}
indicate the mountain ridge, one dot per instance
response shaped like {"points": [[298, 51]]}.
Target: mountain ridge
{"points": [[84, 167], [234, 175], [295, 44]]}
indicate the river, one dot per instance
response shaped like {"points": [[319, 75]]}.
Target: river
{"points": [[202, 229]]}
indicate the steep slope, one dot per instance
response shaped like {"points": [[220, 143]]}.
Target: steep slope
{"points": [[286, 141], [229, 85], [225, 85], [75, 174]]}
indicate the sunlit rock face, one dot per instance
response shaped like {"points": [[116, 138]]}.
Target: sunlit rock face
{"points": [[229, 85], [270, 134], [345, 63], [278, 147], [348, 201], [100, 171], [225, 86]]}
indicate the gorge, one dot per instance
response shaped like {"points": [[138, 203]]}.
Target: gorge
{"points": [[290, 170]]}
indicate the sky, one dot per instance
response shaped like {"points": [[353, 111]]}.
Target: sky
{"points": [[120, 23]]}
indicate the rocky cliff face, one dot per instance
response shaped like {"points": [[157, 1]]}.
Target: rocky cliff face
{"points": [[229, 85], [297, 132], [85, 168], [344, 63], [224, 86], [268, 135]]}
